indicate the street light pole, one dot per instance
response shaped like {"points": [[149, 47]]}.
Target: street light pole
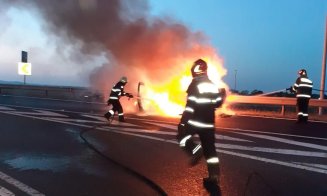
{"points": [[323, 70], [235, 79]]}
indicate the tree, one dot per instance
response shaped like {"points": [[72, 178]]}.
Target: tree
{"points": [[256, 92]]}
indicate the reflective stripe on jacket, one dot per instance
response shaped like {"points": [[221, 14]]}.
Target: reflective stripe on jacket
{"points": [[203, 97], [303, 87], [117, 91]]}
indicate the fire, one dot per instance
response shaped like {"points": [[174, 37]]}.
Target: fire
{"points": [[169, 98]]}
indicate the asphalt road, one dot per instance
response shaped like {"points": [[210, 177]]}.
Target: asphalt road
{"points": [[42, 152]]}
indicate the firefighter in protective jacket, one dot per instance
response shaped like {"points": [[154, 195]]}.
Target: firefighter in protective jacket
{"points": [[203, 97], [303, 89], [116, 92]]}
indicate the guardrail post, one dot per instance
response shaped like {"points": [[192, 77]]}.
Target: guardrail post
{"points": [[319, 110], [283, 110]]}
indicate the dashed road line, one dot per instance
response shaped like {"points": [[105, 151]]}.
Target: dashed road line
{"points": [[21, 186], [136, 132], [294, 165], [287, 141], [5, 192]]}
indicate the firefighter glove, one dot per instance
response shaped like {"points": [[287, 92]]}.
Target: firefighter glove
{"points": [[129, 95]]}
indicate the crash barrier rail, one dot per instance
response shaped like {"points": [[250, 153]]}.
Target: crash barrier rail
{"points": [[80, 93], [282, 101], [43, 91]]}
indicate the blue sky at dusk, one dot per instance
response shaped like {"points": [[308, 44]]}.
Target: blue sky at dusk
{"points": [[266, 41]]}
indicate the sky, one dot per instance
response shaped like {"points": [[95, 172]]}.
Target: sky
{"points": [[261, 42]]}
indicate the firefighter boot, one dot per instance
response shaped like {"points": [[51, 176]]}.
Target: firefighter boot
{"points": [[107, 115], [121, 119], [211, 184], [299, 119]]}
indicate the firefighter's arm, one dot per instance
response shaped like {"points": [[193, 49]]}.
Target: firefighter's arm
{"points": [[294, 88], [221, 97], [291, 89], [187, 114]]}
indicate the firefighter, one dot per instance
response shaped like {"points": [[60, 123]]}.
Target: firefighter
{"points": [[303, 89], [203, 97], [116, 92]]}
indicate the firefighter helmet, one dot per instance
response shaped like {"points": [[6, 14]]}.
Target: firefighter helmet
{"points": [[123, 79], [302, 72], [199, 68]]}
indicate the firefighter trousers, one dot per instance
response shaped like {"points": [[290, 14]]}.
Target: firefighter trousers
{"points": [[302, 108], [207, 139], [116, 107]]}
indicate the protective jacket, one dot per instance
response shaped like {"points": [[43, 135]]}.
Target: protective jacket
{"points": [[202, 100], [117, 91], [302, 87]]}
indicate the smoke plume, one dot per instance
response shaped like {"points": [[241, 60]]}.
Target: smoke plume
{"points": [[136, 45]]}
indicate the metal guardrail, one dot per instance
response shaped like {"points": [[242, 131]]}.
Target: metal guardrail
{"points": [[283, 101], [273, 100], [39, 90], [233, 99], [39, 87]]}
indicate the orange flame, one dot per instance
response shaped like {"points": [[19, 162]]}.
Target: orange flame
{"points": [[169, 98]]}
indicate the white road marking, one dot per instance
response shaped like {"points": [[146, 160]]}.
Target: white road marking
{"points": [[5, 192], [287, 141], [138, 135], [224, 137], [278, 118], [246, 130], [118, 130], [6, 108], [274, 161], [21, 186], [221, 137], [234, 154], [42, 113], [273, 150], [173, 127], [272, 133], [314, 165], [142, 130], [114, 122], [77, 120], [99, 118]]}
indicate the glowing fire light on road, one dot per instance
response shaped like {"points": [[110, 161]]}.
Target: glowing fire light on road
{"points": [[169, 98]]}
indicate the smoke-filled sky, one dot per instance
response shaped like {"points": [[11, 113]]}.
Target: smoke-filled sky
{"points": [[94, 42]]}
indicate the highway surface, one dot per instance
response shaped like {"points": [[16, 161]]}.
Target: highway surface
{"points": [[60, 147]]}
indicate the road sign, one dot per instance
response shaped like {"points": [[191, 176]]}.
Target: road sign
{"points": [[24, 69], [24, 56]]}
